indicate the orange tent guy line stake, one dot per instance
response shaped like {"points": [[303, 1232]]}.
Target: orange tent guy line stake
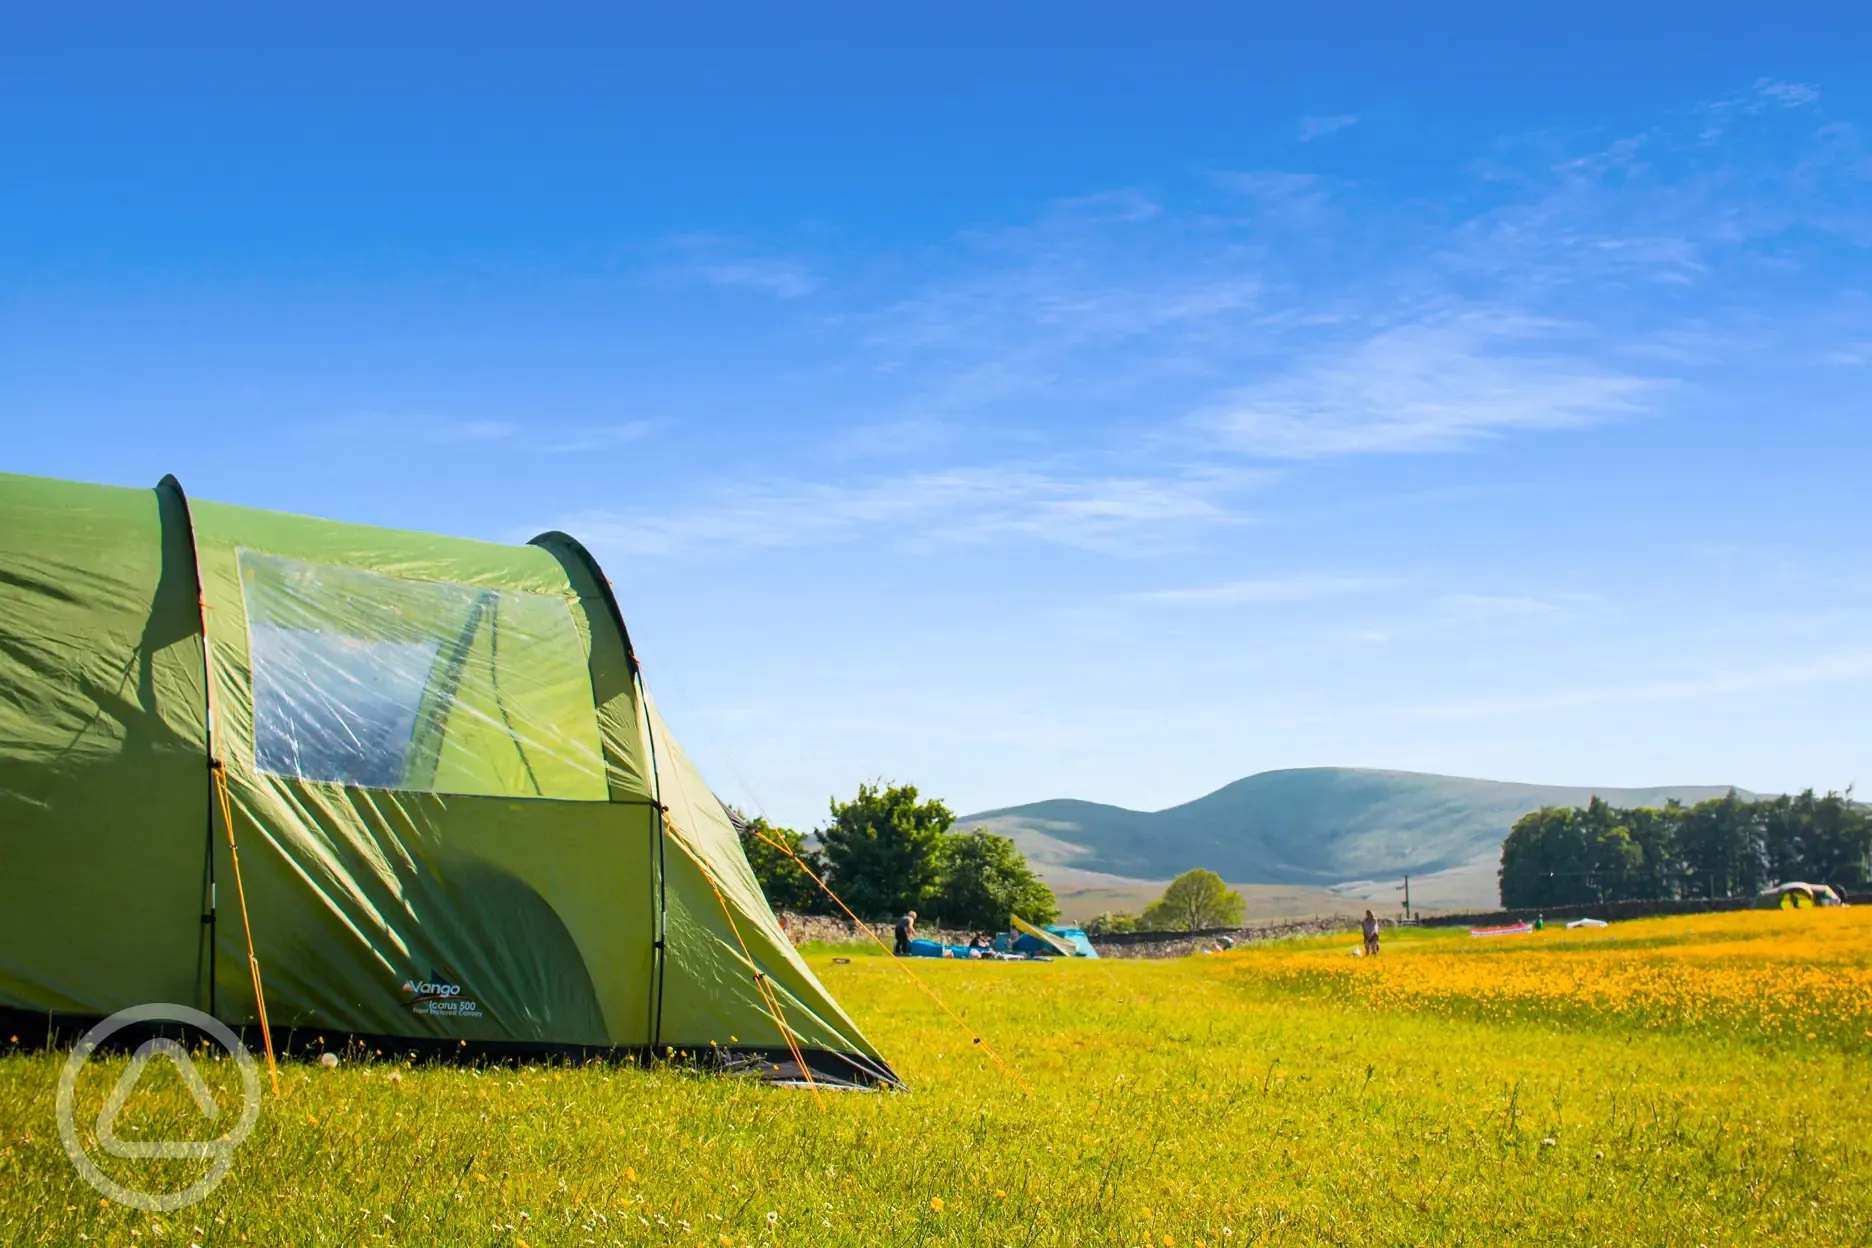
{"points": [[791, 1037], [772, 998], [768, 994], [227, 822], [765, 983], [253, 962], [760, 982], [914, 977]]}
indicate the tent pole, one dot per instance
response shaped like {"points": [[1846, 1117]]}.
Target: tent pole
{"points": [[218, 786], [660, 942], [563, 546], [170, 488]]}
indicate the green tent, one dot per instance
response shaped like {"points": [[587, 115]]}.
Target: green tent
{"points": [[457, 820]]}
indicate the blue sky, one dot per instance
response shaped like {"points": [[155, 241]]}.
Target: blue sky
{"points": [[1091, 401]]}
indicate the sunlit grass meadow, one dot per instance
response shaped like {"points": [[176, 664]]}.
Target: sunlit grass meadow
{"points": [[1701, 1080]]}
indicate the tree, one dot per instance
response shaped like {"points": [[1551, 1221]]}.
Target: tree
{"points": [[1654, 831], [883, 848], [1195, 900], [786, 885], [1720, 843], [1614, 861], [1822, 839], [1557, 856], [1111, 921], [1545, 862], [1837, 841], [983, 879]]}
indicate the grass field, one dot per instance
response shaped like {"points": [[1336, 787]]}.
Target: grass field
{"points": [[1700, 1080]]}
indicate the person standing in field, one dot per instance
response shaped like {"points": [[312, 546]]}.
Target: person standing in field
{"points": [[1371, 934], [906, 928]]}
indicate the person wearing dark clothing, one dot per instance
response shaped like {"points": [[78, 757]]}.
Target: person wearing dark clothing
{"points": [[906, 928]]}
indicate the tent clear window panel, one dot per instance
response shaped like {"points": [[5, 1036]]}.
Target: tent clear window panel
{"points": [[389, 683]]}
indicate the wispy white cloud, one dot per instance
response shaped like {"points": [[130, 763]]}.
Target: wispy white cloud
{"points": [[1684, 203], [894, 439], [1062, 297], [1278, 193], [468, 431], [1787, 94], [595, 438], [1319, 127], [782, 278], [1062, 318], [518, 437], [1432, 385], [1264, 325], [718, 260], [957, 505], [1840, 666], [1281, 332], [1129, 204], [1764, 95], [1495, 606], [1289, 589]]}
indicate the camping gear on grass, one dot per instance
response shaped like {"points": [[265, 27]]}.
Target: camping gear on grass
{"points": [[1512, 929], [923, 947], [1075, 937], [1050, 941], [1587, 923], [358, 782]]}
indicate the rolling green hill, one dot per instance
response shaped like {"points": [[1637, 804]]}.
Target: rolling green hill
{"points": [[1317, 826]]}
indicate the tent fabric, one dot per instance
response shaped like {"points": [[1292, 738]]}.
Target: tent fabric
{"points": [[1076, 937], [103, 780], [1039, 940], [445, 783], [1076, 943]]}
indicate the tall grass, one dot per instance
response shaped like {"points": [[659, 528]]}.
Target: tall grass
{"points": [[1273, 1095]]}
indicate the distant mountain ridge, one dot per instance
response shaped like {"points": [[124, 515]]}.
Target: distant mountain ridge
{"points": [[1318, 826]]}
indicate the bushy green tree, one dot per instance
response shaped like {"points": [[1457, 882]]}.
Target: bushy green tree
{"points": [[1557, 856], [1720, 844], [1614, 861], [883, 848], [1195, 900], [1821, 839], [983, 879], [1543, 861], [1654, 832], [1836, 839], [1111, 921], [786, 885]]}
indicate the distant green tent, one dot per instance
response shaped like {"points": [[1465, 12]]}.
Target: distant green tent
{"points": [[460, 822], [1796, 895]]}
